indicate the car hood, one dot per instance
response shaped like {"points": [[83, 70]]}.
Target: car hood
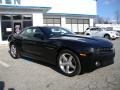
{"points": [[85, 40]]}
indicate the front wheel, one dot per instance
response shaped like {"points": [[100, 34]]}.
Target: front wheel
{"points": [[69, 63], [14, 52]]}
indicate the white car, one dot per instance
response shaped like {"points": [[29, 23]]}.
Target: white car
{"points": [[102, 32]]}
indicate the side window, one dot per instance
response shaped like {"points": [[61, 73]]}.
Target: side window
{"points": [[87, 28], [93, 29], [31, 32], [63, 31], [99, 29], [28, 32], [55, 31]]}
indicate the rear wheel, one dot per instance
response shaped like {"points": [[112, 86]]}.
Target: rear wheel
{"points": [[69, 63], [107, 36], [87, 34], [14, 52]]}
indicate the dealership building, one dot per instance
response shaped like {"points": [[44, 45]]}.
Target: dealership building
{"points": [[76, 15]]}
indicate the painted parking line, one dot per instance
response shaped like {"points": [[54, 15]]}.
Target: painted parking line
{"points": [[4, 64]]}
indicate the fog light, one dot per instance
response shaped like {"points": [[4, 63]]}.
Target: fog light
{"points": [[97, 63]]}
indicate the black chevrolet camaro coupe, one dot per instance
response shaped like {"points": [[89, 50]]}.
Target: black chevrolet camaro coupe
{"points": [[71, 53]]}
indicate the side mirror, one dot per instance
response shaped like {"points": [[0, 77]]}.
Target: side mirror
{"points": [[40, 36]]}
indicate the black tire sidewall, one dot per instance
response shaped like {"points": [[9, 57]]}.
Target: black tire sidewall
{"points": [[78, 64], [107, 36]]}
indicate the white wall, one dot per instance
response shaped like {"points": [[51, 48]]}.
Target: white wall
{"points": [[61, 6], [91, 21], [63, 21], [37, 19]]}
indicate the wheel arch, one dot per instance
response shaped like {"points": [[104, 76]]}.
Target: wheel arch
{"points": [[106, 34], [87, 33], [65, 48]]}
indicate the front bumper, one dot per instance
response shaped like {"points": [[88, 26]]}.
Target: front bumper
{"points": [[114, 36], [94, 61]]}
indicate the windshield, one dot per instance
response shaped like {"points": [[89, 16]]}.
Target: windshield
{"points": [[56, 31], [107, 29]]}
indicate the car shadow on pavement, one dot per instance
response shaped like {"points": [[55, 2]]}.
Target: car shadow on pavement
{"points": [[53, 67], [2, 86]]}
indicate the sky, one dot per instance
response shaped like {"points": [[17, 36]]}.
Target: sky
{"points": [[107, 8]]}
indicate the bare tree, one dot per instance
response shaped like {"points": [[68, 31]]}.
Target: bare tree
{"points": [[101, 20], [107, 21], [117, 16]]}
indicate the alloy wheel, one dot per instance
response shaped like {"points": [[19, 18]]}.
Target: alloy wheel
{"points": [[13, 50], [67, 63]]}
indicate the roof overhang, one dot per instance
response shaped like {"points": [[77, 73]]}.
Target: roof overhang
{"points": [[30, 8], [71, 15]]}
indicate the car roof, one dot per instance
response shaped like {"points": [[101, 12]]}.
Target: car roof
{"points": [[44, 26]]}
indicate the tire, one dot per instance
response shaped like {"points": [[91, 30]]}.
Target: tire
{"points": [[14, 52], [107, 36], [69, 63], [87, 34]]}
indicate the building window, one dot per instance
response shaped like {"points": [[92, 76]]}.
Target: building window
{"points": [[0, 1], [27, 17], [48, 21], [6, 25], [8, 1], [74, 21], [80, 21], [27, 24], [57, 21], [77, 21], [17, 17], [6, 17], [52, 21], [77, 24], [68, 21], [86, 21], [17, 2]]}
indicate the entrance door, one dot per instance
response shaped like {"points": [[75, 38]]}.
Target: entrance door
{"points": [[17, 26]]}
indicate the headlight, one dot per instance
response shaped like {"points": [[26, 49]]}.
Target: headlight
{"points": [[92, 50], [86, 51], [96, 50]]}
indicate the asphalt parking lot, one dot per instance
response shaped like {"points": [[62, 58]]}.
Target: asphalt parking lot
{"points": [[26, 74]]}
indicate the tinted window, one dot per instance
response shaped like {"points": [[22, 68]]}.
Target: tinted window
{"points": [[87, 28], [6, 29], [30, 32], [95, 29], [56, 31], [27, 24], [27, 17], [17, 17], [6, 17]]}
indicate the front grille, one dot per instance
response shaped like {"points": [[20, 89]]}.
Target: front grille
{"points": [[105, 49]]}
